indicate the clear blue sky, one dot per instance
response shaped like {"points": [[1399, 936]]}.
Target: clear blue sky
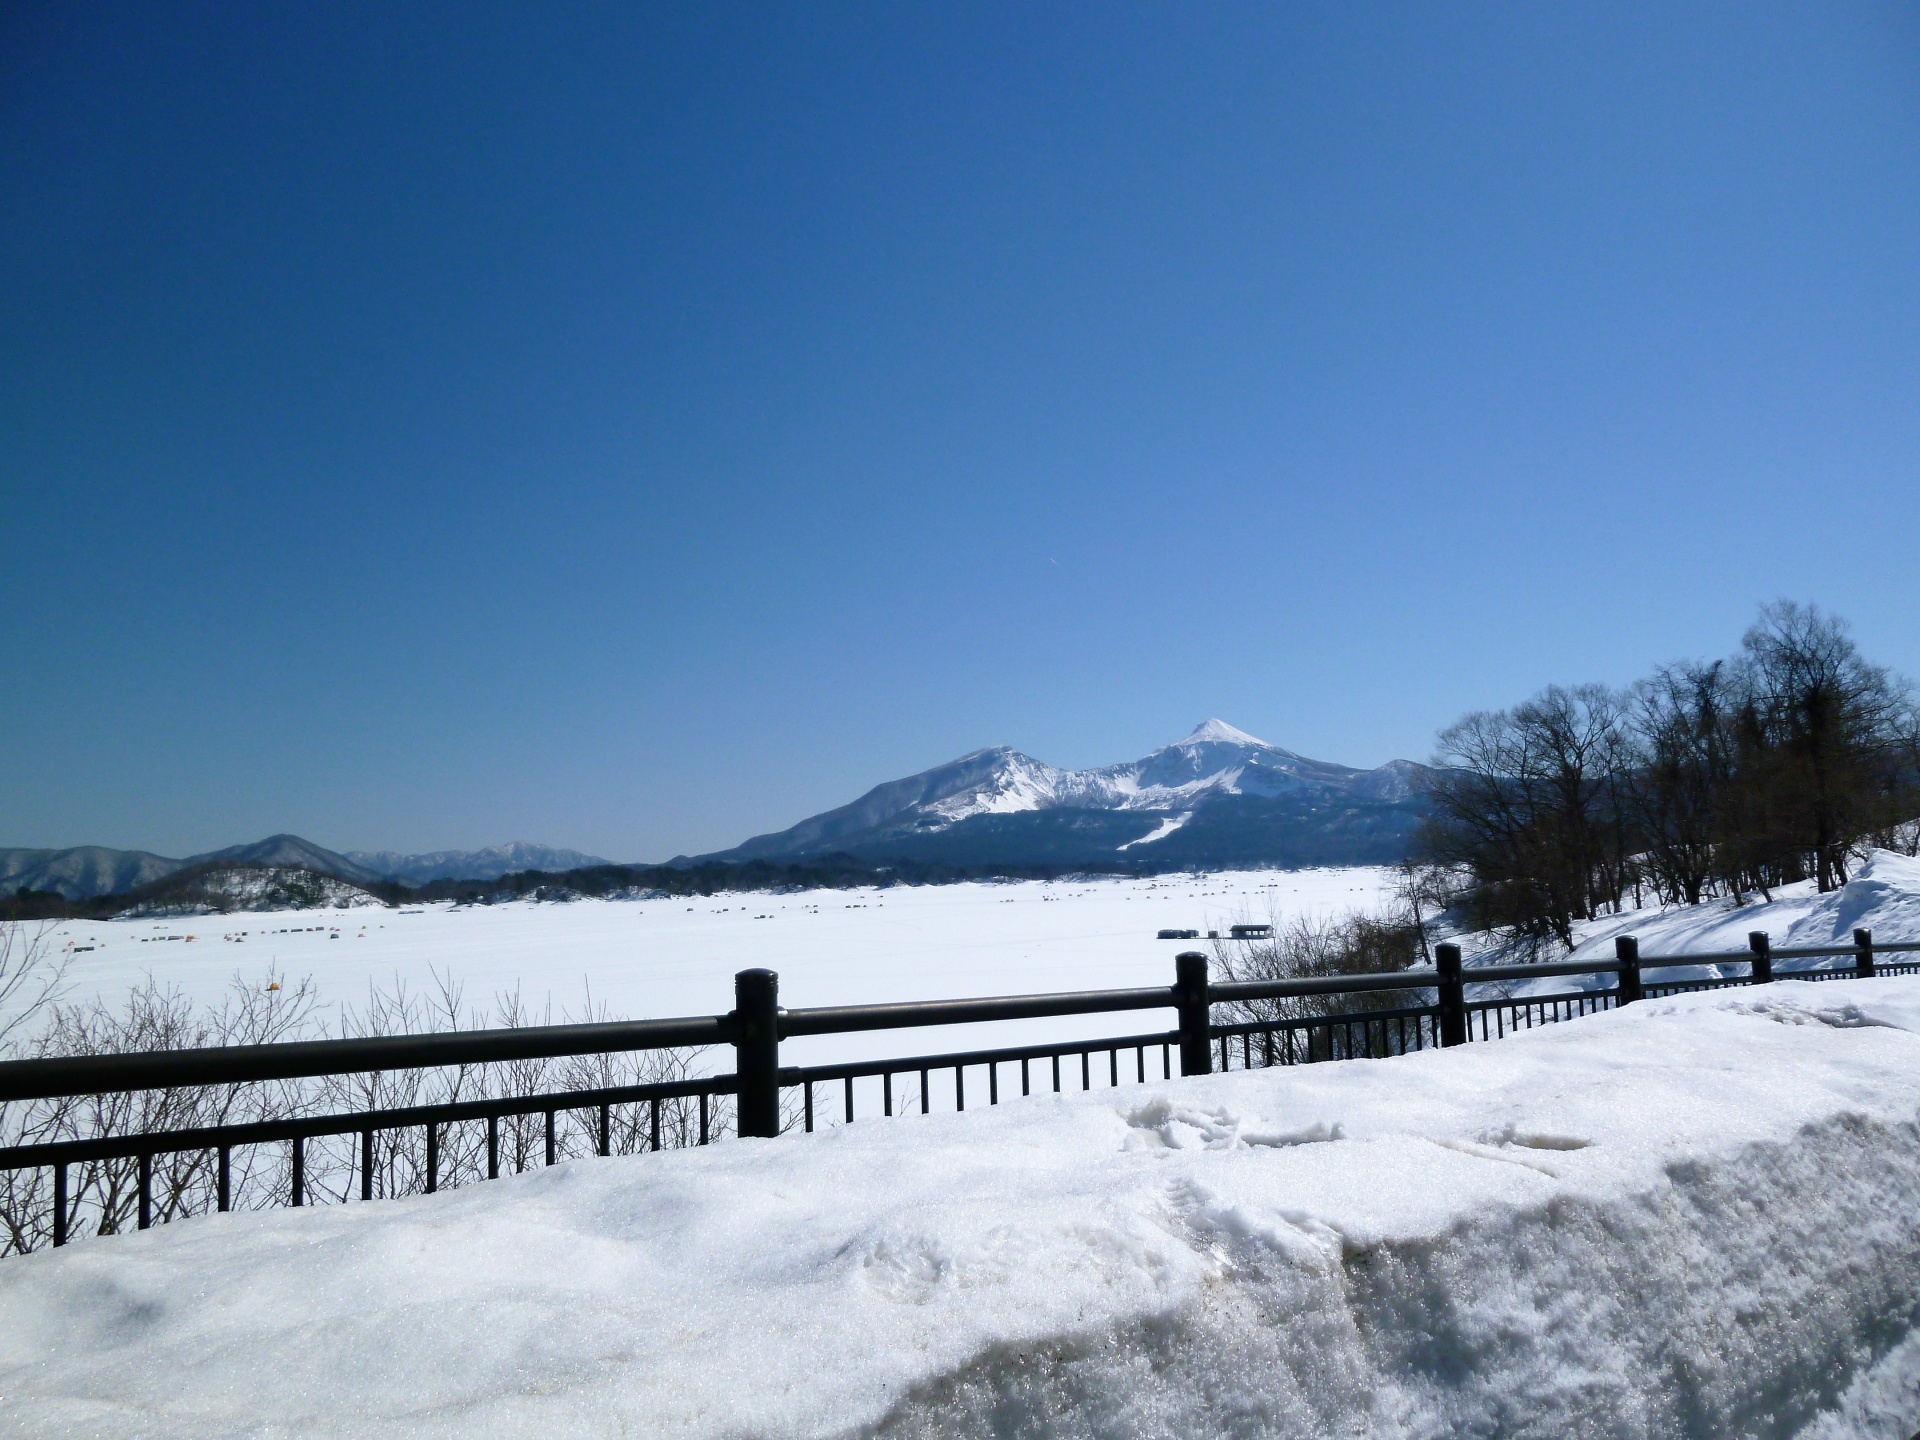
{"points": [[636, 427]]}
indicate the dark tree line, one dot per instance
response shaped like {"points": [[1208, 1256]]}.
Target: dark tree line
{"points": [[1729, 777]]}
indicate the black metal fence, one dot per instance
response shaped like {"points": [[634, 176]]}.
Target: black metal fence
{"points": [[1441, 1015]]}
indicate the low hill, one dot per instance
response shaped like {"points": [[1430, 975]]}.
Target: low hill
{"points": [[87, 872]]}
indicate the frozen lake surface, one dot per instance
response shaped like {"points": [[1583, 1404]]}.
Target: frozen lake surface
{"points": [[678, 957]]}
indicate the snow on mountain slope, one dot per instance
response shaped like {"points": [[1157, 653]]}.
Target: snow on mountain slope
{"points": [[1690, 1218], [1215, 761], [1216, 757], [255, 887]]}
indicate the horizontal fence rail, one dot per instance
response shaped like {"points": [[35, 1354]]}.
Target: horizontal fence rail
{"points": [[300, 1059], [1385, 1015]]}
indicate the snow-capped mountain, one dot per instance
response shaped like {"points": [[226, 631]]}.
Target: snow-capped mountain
{"points": [[1218, 796]]}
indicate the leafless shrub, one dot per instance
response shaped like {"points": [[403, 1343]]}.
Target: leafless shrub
{"points": [[1307, 947], [103, 1196]]}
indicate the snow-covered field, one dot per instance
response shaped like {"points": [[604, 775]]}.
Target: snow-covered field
{"points": [[678, 957], [1693, 1217]]}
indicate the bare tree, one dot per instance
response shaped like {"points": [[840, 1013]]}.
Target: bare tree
{"points": [[1825, 740], [1530, 803], [1681, 719], [32, 975]]}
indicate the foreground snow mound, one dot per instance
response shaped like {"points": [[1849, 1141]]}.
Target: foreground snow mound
{"points": [[1692, 1217]]}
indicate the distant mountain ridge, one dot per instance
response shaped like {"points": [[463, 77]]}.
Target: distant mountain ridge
{"points": [[1217, 797], [86, 871], [487, 864]]}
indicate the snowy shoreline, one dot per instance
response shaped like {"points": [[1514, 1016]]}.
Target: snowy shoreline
{"points": [[1695, 1216]]}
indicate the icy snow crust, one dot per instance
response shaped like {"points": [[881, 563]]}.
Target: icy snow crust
{"points": [[1692, 1217]]}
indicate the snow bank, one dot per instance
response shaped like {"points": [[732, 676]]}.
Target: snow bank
{"points": [[1883, 896], [1692, 1217]]}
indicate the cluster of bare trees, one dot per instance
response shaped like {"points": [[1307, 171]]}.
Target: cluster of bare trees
{"points": [[1729, 777], [103, 1195]]}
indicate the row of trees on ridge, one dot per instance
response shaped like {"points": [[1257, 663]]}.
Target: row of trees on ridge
{"points": [[1719, 778]]}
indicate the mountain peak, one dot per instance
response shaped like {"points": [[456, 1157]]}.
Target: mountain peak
{"points": [[1219, 732]]}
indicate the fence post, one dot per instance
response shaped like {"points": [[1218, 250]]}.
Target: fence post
{"points": [[1863, 964], [1762, 956], [1452, 995], [1627, 949], [1190, 995], [756, 999]]}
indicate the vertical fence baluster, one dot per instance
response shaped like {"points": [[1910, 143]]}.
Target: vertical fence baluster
{"points": [[59, 1204], [1762, 949], [1863, 962], [146, 1190], [1113, 1067], [959, 1087], [1056, 1074], [1166, 1061], [703, 1114], [886, 1093], [552, 1147], [993, 1082], [926, 1104], [849, 1099], [1452, 995], [606, 1128], [223, 1180], [366, 1164], [1086, 1070], [433, 1157], [1140, 1063], [299, 1196], [493, 1147], [806, 1092], [653, 1126], [1025, 1085]]}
